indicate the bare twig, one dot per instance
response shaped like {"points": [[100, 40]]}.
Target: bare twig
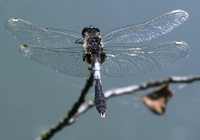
{"points": [[79, 109], [154, 83], [70, 116]]}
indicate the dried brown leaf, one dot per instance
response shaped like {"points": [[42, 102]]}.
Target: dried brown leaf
{"points": [[157, 100]]}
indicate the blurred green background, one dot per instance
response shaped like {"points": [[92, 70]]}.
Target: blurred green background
{"points": [[34, 97]]}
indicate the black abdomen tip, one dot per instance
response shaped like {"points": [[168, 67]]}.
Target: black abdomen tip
{"points": [[100, 103]]}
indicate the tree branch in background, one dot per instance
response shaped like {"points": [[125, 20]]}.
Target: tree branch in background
{"points": [[70, 116], [156, 101]]}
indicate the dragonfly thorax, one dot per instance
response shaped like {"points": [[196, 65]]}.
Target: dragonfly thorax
{"points": [[93, 50], [94, 45]]}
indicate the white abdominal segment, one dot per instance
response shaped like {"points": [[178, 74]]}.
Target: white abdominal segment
{"points": [[96, 69]]}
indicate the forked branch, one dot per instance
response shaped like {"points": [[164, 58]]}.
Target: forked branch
{"points": [[79, 109]]}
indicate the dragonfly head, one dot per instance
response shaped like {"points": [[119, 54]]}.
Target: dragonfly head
{"points": [[90, 31]]}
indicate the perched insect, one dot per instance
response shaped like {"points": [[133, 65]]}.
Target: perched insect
{"points": [[116, 53]]}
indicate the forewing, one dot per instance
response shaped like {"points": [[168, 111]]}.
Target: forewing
{"points": [[124, 60], [30, 33], [68, 61], [149, 30]]}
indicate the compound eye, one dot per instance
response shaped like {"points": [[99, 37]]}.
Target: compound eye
{"points": [[84, 31], [97, 29]]}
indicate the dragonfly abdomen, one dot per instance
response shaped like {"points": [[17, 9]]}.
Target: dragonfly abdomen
{"points": [[100, 101]]}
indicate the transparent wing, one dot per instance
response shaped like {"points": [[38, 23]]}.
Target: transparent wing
{"points": [[148, 30], [68, 61], [30, 33], [124, 60]]}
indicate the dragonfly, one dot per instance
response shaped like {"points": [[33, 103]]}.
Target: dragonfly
{"points": [[114, 54]]}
